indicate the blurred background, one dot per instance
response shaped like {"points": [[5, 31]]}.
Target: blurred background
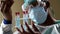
{"points": [[55, 4]]}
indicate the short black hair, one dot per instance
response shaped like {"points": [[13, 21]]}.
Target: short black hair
{"points": [[34, 3], [47, 4]]}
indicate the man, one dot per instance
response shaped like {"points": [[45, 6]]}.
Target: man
{"points": [[6, 25], [40, 15]]}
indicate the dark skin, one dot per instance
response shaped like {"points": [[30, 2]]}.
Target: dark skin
{"points": [[35, 30], [49, 21], [6, 9]]}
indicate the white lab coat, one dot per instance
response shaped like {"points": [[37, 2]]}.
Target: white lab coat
{"points": [[6, 28]]}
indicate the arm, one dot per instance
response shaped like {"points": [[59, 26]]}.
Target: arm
{"points": [[6, 9], [7, 13]]}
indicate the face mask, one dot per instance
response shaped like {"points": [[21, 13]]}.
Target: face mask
{"points": [[38, 14]]}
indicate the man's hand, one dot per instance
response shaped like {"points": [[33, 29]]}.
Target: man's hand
{"points": [[6, 5], [35, 30], [6, 9]]}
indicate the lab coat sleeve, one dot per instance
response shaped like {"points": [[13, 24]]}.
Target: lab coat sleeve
{"points": [[55, 29], [6, 28]]}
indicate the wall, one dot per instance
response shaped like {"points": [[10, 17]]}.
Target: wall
{"points": [[56, 7]]}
